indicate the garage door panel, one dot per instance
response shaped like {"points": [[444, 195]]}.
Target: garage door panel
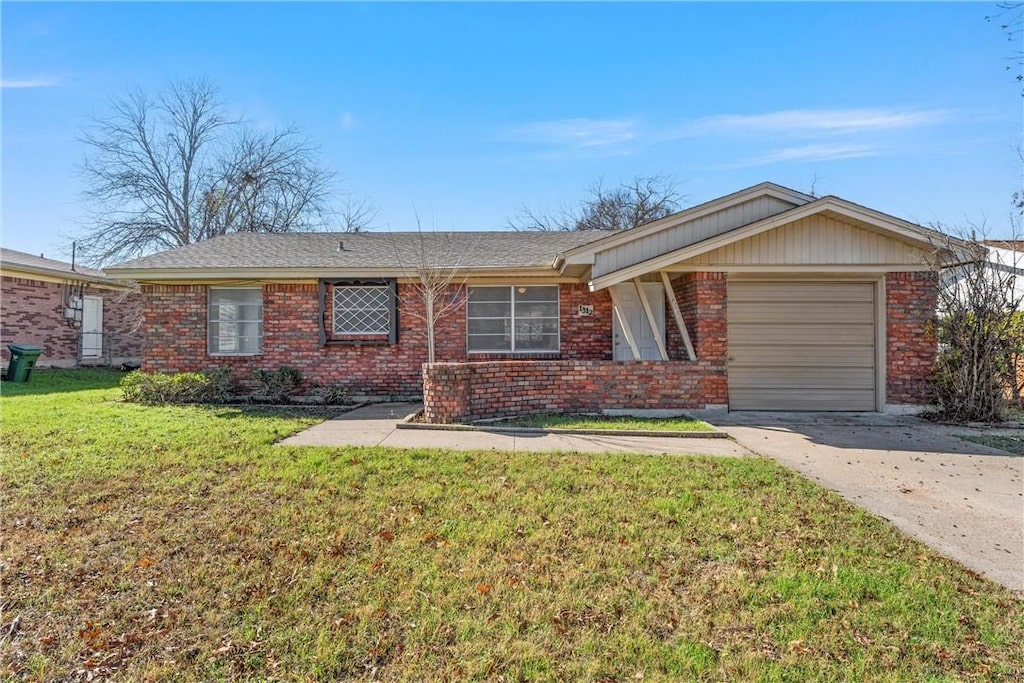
{"points": [[801, 399], [799, 311], [797, 357], [801, 345], [860, 334], [775, 291], [804, 378]]}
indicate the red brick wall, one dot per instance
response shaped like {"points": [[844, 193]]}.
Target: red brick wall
{"points": [[176, 319], [32, 312], [175, 325], [910, 300]]}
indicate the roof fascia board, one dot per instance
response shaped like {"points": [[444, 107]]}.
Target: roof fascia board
{"points": [[585, 252], [199, 274], [17, 269], [840, 206]]}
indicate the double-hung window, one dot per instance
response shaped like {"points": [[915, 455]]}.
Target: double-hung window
{"points": [[235, 321], [516, 319]]}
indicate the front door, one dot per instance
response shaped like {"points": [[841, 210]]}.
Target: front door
{"points": [[637, 320], [92, 327]]}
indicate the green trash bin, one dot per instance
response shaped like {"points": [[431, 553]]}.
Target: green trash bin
{"points": [[23, 359]]}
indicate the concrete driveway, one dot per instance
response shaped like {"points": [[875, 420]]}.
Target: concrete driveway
{"points": [[964, 500]]}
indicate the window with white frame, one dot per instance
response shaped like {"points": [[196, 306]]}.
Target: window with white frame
{"points": [[361, 309], [235, 321], [516, 319]]}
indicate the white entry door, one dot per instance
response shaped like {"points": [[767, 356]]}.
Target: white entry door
{"points": [[633, 311], [92, 327]]}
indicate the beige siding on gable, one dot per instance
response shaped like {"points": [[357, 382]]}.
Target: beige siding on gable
{"points": [[816, 240], [687, 233]]}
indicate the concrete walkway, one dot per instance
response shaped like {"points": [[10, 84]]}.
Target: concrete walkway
{"points": [[374, 425], [964, 500]]}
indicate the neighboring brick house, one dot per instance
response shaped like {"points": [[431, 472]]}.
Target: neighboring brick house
{"points": [[764, 299], [77, 315]]}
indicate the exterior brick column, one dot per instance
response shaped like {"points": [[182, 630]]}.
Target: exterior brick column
{"points": [[910, 301]]}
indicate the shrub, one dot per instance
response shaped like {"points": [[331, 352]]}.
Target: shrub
{"points": [[277, 385], [222, 384], [157, 387]]}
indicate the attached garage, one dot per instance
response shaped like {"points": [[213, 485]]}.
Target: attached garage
{"points": [[802, 345], [781, 301]]}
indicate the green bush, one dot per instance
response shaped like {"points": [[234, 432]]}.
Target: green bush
{"points": [[277, 385], [155, 388]]}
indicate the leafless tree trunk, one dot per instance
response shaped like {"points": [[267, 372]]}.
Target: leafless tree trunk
{"points": [[629, 205], [168, 170], [434, 261]]}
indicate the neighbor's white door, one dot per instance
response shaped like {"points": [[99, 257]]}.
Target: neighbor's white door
{"points": [[92, 326], [637, 319]]}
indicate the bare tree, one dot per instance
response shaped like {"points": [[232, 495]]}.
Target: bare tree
{"points": [[978, 329], [623, 207], [357, 214], [172, 169], [434, 260], [1010, 19]]}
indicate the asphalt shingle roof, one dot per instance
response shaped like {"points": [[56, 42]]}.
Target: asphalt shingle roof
{"points": [[10, 257], [399, 250]]}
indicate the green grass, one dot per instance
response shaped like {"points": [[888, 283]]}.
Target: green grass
{"points": [[671, 424], [177, 543], [1010, 444]]}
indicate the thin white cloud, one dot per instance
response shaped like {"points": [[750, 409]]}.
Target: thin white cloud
{"points": [[812, 121], [574, 133], [806, 153], [347, 120], [9, 83]]}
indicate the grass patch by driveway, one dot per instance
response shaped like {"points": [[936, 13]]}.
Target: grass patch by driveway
{"points": [[649, 424], [1010, 444], [176, 543]]}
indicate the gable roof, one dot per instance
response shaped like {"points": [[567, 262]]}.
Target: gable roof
{"points": [[585, 252], [12, 261], [383, 254], [829, 205]]}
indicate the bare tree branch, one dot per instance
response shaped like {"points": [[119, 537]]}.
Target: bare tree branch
{"points": [[168, 170], [435, 263], [624, 207], [979, 329]]}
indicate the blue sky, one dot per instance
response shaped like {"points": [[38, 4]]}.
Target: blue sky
{"points": [[461, 113]]}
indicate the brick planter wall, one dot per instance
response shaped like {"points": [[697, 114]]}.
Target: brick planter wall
{"points": [[33, 313], [455, 392], [910, 300]]}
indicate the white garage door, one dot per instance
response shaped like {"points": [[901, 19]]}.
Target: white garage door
{"points": [[801, 345]]}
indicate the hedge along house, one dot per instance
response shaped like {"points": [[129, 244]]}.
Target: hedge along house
{"points": [[77, 315], [766, 299]]}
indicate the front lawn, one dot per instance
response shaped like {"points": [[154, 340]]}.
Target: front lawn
{"points": [[177, 543], [649, 424]]}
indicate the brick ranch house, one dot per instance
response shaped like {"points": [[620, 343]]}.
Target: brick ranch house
{"points": [[765, 299], [77, 315]]}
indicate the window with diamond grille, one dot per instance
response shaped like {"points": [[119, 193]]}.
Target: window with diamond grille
{"points": [[362, 309]]}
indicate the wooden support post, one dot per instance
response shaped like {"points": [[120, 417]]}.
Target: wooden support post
{"points": [[627, 332], [651, 322], [678, 315]]}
